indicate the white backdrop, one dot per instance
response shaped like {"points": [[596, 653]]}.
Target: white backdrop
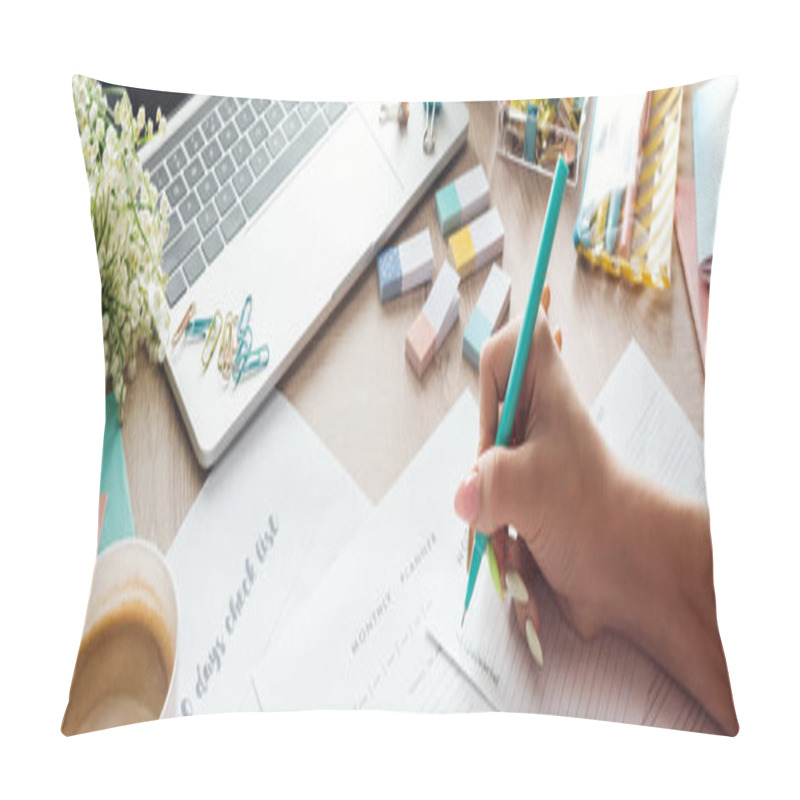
{"points": [[52, 387]]}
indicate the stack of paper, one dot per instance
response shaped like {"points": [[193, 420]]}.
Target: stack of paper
{"points": [[271, 517], [606, 678], [360, 641]]}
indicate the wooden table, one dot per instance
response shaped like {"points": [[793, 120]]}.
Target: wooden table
{"points": [[354, 386]]}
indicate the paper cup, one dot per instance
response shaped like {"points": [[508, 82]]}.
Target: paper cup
{"points": [[128, 656]]}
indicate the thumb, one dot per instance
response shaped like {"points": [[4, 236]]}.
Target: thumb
{"points": [[493, 493]]}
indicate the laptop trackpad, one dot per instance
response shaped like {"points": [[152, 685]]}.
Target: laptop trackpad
{"points": [[303, 246]]}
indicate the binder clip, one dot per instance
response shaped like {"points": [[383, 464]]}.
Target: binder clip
{"points": [[395, 111], [428, 135]]}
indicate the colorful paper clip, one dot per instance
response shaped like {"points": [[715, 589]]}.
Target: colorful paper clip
{"points": [[181, 329], [531, 121], [536, 132], [252, 361], [244, 348], [231, 340], [226, 346], [211, 339], [198, 328], [244, 317]]}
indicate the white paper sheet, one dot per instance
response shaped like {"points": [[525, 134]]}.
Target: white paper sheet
{"points": [[606, 678], [712, 104], [271, 517], [361, 642]]}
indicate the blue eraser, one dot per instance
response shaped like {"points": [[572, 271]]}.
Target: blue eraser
{"points": [[448, 209], [478, 330], [405, 266], [461, 201], [390, 276], [493, 304]]}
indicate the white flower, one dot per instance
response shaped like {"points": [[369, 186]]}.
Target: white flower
{"points": [[130, 222]]}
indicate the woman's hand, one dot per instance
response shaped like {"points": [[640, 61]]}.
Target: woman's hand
{"points": [[617, 552], [553, 484]]}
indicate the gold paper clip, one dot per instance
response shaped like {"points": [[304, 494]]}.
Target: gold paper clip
{"points": [[211, 339], [181, 329], [225, 359]]}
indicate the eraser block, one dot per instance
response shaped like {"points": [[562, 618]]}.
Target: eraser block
{"points": [[405, 266], [489, 311], [462, 200], [478, 244], [435, 321]]}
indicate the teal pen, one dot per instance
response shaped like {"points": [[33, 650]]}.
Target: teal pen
{"points": [[612, 223], [509, 412]]}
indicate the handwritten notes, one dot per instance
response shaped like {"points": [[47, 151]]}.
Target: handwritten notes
{"points": [[272, 515]]}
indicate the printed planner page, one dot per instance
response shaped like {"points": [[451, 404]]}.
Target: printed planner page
{"points": [[360, 641], [271, 517], [606, 678]]}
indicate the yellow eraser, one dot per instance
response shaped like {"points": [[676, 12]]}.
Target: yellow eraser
{"points": [[462, 251], [478, 244]]}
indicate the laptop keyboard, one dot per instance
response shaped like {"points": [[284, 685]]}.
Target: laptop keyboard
{"points": [[220, 167]]}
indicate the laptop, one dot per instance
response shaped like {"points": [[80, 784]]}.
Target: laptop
{"points": [[288, 203]]}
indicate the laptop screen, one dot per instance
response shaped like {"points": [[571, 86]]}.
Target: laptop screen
{"points": [[151, 100]]}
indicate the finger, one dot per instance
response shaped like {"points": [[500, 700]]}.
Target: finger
{"points": [[499, 539], [527, 616], [499, 542], [470, 545], [546, 298], [495, 493], [520, 576], [495, 366], [558, 338]]}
